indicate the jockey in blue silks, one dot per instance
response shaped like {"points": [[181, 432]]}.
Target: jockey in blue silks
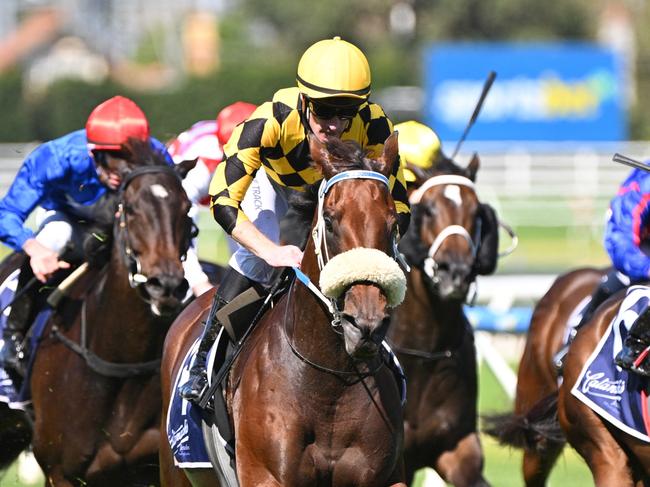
{"points": [[66, 177], [626, 240]]}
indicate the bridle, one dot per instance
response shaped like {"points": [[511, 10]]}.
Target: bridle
{"points": [[323, 257], [430, 265], [136, 277], [320, 239]]}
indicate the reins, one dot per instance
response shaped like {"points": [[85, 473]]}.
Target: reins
{"points": [[336, 372], [99, 365], [323, 257]]}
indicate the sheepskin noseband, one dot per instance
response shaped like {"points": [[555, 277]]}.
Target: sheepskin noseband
{"points": [[362, 264]]}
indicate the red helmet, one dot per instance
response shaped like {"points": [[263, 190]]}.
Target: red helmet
{"points": [[113, 122], [230, 116]]}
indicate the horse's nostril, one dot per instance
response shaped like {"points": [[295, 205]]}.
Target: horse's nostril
{"points": [[166, 285]]}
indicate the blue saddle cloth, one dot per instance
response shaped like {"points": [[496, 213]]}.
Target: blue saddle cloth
{"points": [[184, 419], [15, 392], [618, 396]]}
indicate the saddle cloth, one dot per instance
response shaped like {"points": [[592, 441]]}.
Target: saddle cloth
{"points": [[185, 429], [14, 391], [618, 396]]}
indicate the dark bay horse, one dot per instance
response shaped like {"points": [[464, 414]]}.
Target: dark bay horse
{"points": [[95, 380], [309, 399], [537, 377], [613, 456], [429, 331]]}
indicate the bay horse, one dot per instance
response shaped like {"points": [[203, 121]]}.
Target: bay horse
{"points": [[537, 377], [430, 332], [95, 378], [613, 456], [309, 399]]}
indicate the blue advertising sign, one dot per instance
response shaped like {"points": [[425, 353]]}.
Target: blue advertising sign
{"points": [[565, 91]]}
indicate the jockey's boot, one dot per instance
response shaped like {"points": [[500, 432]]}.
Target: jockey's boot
{"points": [[610, 283], [13, 351], [232, 285], [634, 355]]}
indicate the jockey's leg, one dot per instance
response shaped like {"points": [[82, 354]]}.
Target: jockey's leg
{"points": [[634, 355], [232, 285], [55, 232], [264, 206], [609, 284], [12, 349]]}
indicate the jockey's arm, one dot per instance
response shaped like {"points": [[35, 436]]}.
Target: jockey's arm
{"points": [[25, 193], [246, 234], [227, 189], [378, 128]]}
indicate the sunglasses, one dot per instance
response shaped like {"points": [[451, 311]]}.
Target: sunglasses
{"points": [[101, 157], [327, 112]]}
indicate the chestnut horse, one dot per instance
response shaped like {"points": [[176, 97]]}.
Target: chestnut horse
{"points": [[429, 331], [613, 456], [538, 378], [309, 399], [95, 379]]}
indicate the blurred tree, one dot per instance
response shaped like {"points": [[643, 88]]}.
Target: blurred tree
{"points": [[505, 19]]}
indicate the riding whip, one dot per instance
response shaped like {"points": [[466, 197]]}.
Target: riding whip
{"points": [[486, 87], [628, 161]]}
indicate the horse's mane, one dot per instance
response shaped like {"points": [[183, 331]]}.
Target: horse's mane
{"points": [[343, 156], [444, 165], [141, 153], [348, 155]]}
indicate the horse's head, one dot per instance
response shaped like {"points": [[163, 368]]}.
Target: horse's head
{"points": [[354, 233], [153, 230], [446, 231]]}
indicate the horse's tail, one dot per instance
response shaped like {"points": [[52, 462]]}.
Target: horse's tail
{"points": [[535, 430]]}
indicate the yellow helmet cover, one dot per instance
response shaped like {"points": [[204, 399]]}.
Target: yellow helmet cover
{"points": [[334, 68], [418, 145]]}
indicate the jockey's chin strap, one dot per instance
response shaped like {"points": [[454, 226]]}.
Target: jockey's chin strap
{"points": [[320, 240], [430, 266]]}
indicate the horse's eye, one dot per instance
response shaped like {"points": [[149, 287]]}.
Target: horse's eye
{"points": [[429, 210], [328, 224]]}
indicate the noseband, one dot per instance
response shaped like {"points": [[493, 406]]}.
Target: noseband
{"points": [[430, 266]]}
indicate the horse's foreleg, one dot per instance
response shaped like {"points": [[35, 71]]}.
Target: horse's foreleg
{"points": [[463, 466]]}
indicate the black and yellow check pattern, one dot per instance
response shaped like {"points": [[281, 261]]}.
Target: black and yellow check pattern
{"points": [[275, 137]]}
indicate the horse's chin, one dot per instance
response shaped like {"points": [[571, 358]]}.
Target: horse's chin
{"points": [[166, 309], [356, 345], [448, 290]]}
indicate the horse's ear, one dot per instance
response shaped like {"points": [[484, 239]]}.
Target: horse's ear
{"points": [[182, 168], [390, 153], [472, 167], [420, 174], [320, 156]]}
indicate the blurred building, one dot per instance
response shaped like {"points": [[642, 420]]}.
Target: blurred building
{"points": [[180, 35]]}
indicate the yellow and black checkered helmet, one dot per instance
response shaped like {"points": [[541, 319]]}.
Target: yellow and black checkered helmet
{"points": [[418, 146], [334, 68]]}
